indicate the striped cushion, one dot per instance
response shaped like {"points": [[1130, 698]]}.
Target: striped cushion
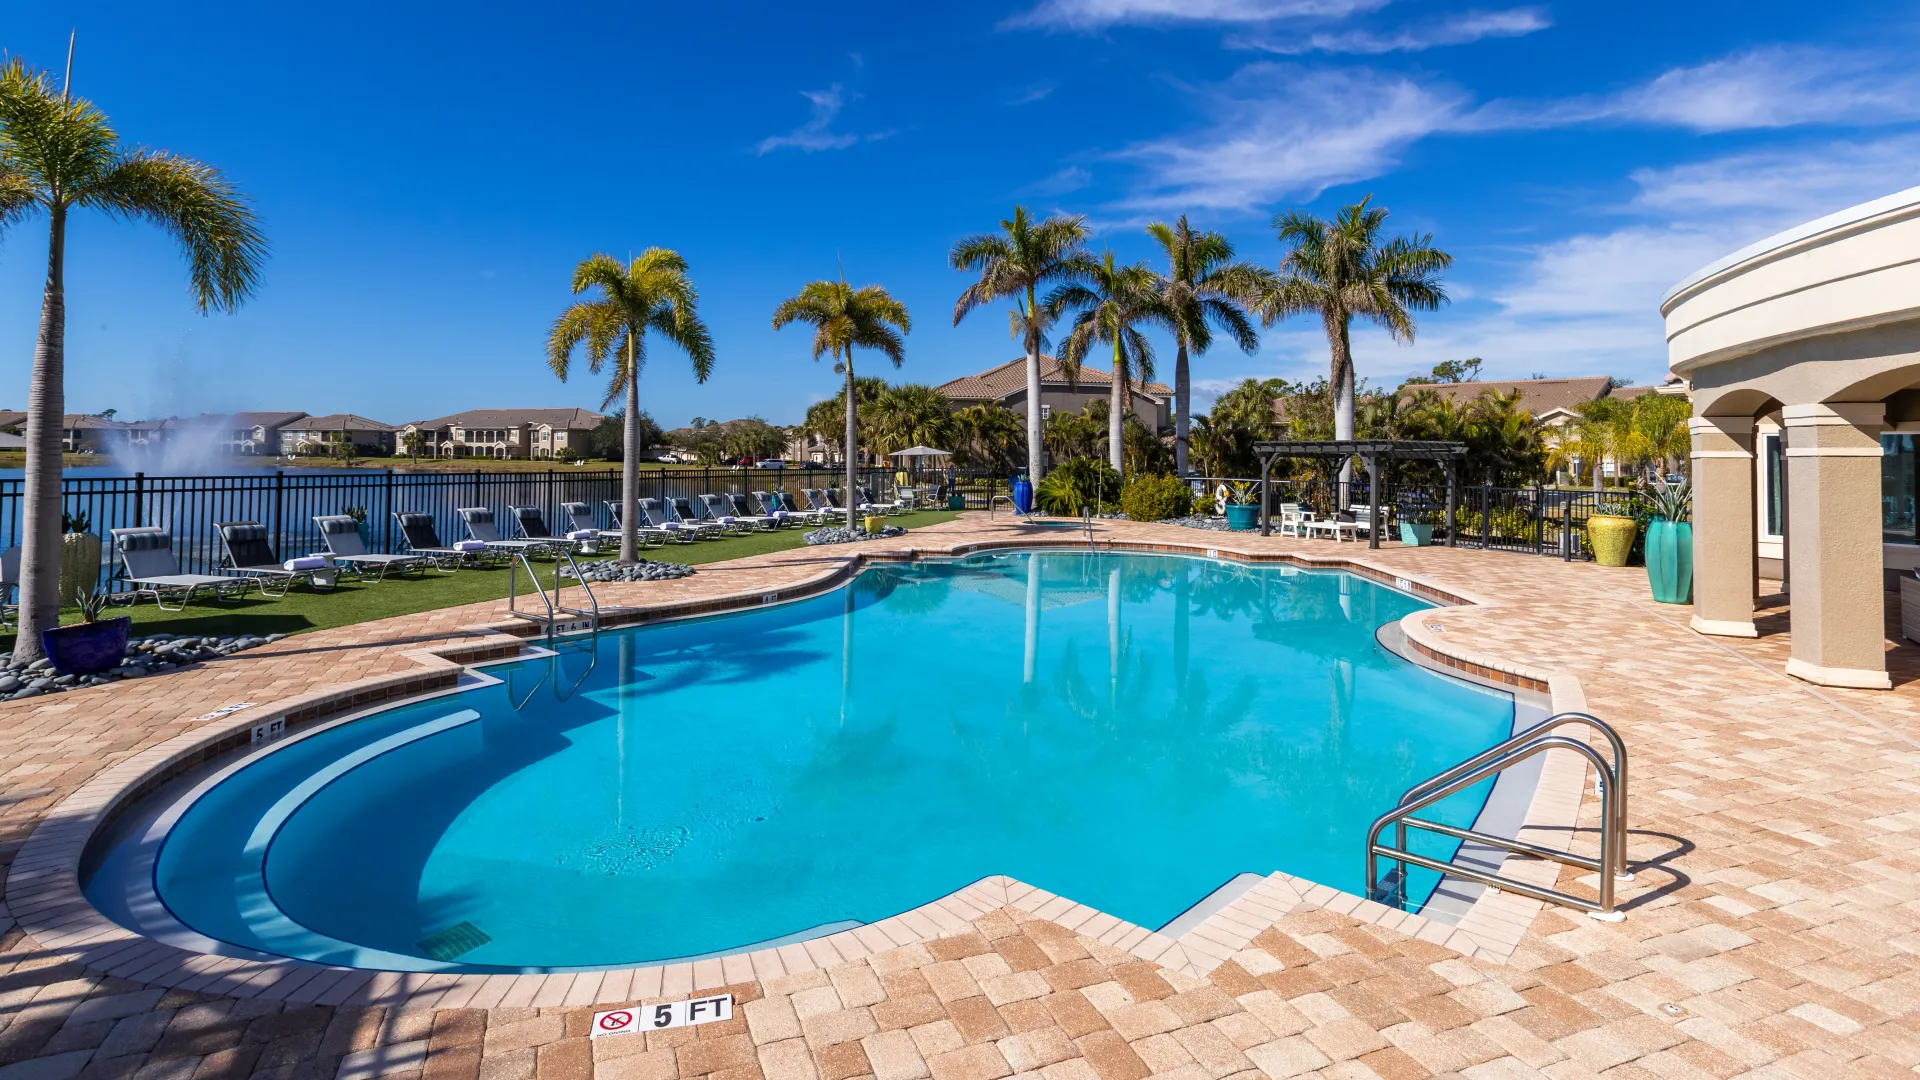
{"points": [[336, 524], [145, 540]]}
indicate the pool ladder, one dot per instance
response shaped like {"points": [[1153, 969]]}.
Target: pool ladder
{"points": [[551, 618], [1612, 780]]}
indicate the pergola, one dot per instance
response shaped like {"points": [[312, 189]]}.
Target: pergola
{"points": [[1374, 452]]}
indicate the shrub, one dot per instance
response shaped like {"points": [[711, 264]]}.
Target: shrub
{"points": [[1076, 483], [1156, 498]]}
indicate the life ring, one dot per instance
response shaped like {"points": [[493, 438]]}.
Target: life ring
{"points": [[1220, 501]]}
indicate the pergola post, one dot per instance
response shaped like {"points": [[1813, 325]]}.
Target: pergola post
{"points": [[1266, 513], [1452, 499], [1373, 500]]}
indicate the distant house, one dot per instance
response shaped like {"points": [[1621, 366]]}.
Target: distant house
{"points": [[244, 434], [1007, 385], [1555, 403], [506, 433], [11, 419], [88, 434], [313, 433]]}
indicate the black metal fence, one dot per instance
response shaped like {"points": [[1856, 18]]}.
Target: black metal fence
{"points": [[1536, 520], [188, 507], [1533, 520]]}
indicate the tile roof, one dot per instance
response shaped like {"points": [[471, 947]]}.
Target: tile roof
{"points": [[1010, 378], [342, 422], [484, 418], [1537, 396], [88, 421]]}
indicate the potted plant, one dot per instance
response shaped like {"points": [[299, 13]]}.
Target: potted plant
{"points": [[1670, 544], [1416, 524], [1243, 505], [79, 555], [876, 524], [91, 646], [1611, 530]]}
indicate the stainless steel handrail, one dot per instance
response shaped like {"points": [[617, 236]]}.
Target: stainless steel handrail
{"points": [[1557, 720], [551, 603], [1611, 865]]}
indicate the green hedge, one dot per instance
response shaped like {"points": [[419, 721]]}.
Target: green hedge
{"points": [[1156, 498]]}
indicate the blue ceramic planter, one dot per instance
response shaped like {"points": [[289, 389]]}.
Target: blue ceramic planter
{"points": [[87, 648], [1415, 535], [1243, 518], [1670, 560]]}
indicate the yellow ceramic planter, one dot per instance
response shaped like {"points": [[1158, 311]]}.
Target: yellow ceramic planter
{"points": [[1612, 538], [876, 523]]}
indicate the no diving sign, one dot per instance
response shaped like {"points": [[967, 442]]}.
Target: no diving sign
{"points": [[668, 1014]]}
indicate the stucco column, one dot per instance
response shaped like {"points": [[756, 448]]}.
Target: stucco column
{"points": [[1833, 485], [1723, 515]]}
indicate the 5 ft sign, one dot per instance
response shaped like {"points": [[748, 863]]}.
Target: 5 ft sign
{"points": [[667, 1014]]}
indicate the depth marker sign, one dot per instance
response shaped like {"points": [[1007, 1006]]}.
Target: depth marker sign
{"points": [[669, 1014]]}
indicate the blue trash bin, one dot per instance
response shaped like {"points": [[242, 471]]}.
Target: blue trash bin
{"points": [[1022, 495]]}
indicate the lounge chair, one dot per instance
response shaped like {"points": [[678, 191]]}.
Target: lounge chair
{"points": [[769, 504], [423, 539], [821, 499], [480, 526], [147, 559], [533, 526], [687, 517], [741, 509], [251, 554], [871, 504], [580, 516], [654, 516], [719, 508], [341, 534]]}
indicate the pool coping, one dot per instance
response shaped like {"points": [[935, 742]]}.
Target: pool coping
{"points": [[44, 895]]}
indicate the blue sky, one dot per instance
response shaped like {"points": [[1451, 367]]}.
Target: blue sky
{"points": [[429, 176]]}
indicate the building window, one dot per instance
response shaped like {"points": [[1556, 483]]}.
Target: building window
{"points": [[1776, 487], [1897, 490]]}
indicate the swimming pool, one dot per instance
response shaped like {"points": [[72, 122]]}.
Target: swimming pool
{"points": [[1129, 731]]}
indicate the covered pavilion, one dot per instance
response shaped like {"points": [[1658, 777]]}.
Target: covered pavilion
{"points": [[1376, 453]]}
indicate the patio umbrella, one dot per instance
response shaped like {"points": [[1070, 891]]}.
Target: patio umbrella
{"points": [[917, 453]]}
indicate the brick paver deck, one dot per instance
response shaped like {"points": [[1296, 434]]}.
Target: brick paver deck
{"points": [[1771, 928]]}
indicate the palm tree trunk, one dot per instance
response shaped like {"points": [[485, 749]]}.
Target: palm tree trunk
{"points": [[46, 406], [1116, 453], [853, 448], [1342, 378], [1035, 450], [1182, 404], [630, 464]]}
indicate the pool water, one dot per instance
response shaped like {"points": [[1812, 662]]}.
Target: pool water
{"points": [[1129, 731]]}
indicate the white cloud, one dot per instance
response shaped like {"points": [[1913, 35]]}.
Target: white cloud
{"points": [[1283, 131], [1460, 29], [1071, 178], [824, 106], [1773, 87], [1098, 14], [1791, 183], [1031, 93]]}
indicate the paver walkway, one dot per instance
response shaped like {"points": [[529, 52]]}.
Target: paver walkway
{"points": [[1772, 929]]}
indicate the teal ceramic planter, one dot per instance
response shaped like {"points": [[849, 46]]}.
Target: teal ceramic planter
{"points": [[1243, 518], [1670, 560], [1414, 535]]}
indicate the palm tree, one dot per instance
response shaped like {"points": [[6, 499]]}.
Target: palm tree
{"points": [[844, 318], [652, 293], [1202, 289], [1015, 262], [1111, 304], [413, 442], [57, 154], [988, 436], [912, 414], [1342, 270]]}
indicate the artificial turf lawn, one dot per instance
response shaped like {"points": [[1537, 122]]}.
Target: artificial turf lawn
{"points": [[351, 602]]}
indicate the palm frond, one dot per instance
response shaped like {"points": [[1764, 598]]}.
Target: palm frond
{"points": [[194, 203]]}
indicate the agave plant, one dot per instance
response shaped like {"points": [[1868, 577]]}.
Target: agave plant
{"points": [[1672, 501]]}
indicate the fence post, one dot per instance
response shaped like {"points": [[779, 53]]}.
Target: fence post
{"points": [[1566, 527], [1539, 519], [139, 500], [1486, 517], [386, 526], [279, 503]]}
